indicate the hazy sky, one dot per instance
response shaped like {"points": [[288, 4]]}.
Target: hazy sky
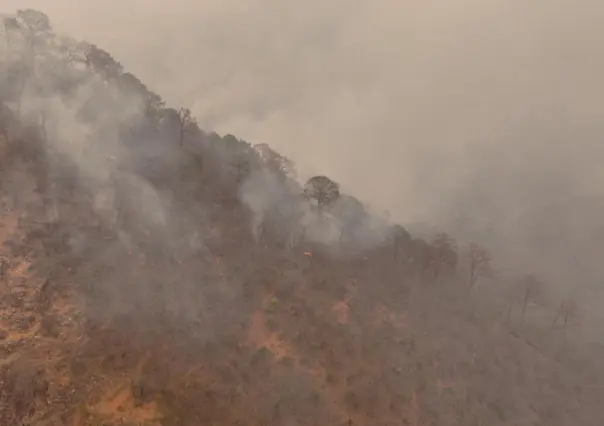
{"points": [[484, 117]]}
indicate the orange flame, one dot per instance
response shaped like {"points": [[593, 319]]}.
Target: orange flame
{"points": [[307, 253]]}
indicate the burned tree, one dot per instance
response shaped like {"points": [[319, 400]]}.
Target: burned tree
{"points": [[479, 264], [100, 62], [567, 314], [524, 291], [10, 24], [445, 255], [4, 267], [400, 238], [31, 30], [533, 289], [322, 190], [274, 161], [242, 167], [351, 214], [185, 121], [421, 257], [35, 28]]}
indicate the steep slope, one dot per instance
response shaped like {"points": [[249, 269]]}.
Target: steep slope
{"points": [[156, 274]]}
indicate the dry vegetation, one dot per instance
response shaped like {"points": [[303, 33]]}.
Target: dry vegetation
{"points": [[155, 274]]}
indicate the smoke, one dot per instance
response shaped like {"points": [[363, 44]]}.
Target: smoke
{"points": [[481, 118], [92, 170]]}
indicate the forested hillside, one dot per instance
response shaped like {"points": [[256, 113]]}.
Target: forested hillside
{"points": [[153, 273]]}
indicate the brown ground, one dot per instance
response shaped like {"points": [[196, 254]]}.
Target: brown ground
{"points": [[59, 367]]}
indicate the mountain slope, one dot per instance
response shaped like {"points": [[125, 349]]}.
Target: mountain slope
{"points": [[157, 274]]}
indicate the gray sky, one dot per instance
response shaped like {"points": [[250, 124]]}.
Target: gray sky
{"points": [[483, 117]]}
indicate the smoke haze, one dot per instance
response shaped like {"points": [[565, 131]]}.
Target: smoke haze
{"points": [[482, 118]]}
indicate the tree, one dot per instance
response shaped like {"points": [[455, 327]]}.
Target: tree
{"points": [[323, 190], [4, 267], [185, 121], [10, 24], [567, 313], [351, 213], [445, 253], [242, 167], [66, 65], [274, 161], [422, 256], [400, 238], [35, 31], [35, 27], [479, 264], [532, 291], [69, 51], [100, 62], [5, 119]]}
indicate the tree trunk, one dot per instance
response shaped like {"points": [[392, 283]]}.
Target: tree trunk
{"points": [[524, 305]]}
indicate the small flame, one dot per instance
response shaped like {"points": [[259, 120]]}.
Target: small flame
{"points": [[307, 253]]}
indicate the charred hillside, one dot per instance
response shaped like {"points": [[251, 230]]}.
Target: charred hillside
{"points": [[154, 273]]}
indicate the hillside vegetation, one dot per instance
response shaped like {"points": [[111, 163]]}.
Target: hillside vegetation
{"points": [[153, 273]]}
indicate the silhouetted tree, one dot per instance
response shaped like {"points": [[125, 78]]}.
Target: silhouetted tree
{"points": [[323, 190], [35, 28], [101, 63], [421, 256], [69, 51], [242, 167], [4, 266], [479, 264], [35, 33], [445, 255], [274, 161], [400, 238], [5, 118], [351, 213], [11, 25], [532, 292], [185, 121], [567, 313]]}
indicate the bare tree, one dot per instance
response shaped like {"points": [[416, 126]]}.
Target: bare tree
{"points": [[4, 122], [274, 161], [351, 214], [445, 255], [100, 62], [422, 256], [568, 313], [35, 32], [532, 292], [35, 28], [479, 264], [69, 51], [242, 167], [323, 190], [4, 266], [185, 121], [10, 24], [400, 238]]}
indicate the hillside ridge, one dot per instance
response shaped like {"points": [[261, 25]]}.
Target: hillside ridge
{"points": [[156, 274]]}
